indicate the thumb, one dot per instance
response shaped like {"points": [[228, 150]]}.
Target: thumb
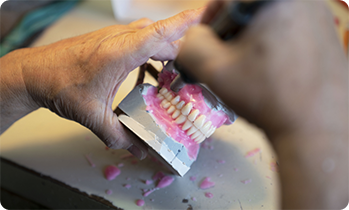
{"points": [[116, 136]]}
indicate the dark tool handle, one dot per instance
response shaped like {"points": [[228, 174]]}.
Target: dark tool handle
{"points": [[228, 24]]}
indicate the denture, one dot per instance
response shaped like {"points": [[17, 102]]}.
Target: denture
{"points": [[187, 116]]}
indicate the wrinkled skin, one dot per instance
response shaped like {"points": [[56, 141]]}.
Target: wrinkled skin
{"points": [[287, 73], [77, 78]]}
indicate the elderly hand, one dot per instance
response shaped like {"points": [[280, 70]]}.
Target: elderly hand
{"points": [[77, 78]]}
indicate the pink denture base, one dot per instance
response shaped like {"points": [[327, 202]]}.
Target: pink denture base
{"points": [[189, 93]]}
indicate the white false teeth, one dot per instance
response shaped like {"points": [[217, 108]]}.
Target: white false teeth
{"points": [[180, 105], [171, 109], [176, 100], [180, 119], [186, 109], [195, 124], [187, 125], [199, 122], [191, 130], [193, 115]]}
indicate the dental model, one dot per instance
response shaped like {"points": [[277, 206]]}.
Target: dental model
{"points": [[174, 124]]}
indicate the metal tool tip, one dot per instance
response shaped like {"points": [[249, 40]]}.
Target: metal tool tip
{"points": [[177, 84]]}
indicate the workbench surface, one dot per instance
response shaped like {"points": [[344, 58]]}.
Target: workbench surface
{"points": [[44, 149]]}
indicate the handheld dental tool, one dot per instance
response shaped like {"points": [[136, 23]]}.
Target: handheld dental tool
{"points": [[228, 24]]}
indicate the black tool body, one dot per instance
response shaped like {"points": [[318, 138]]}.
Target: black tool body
{"points": [[228, 24]]}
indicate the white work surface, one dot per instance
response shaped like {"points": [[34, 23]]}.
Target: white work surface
{"points": [[55, 147]]}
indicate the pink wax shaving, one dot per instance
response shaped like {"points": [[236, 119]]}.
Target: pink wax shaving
{"points": [[90, 161], [111, 172], [208, 195], [192, 178], [193, 198], [268, 177], [127, 186], [206, 183], [247, 181], [221, 161], [236, 169], [120, 165], [165, 181], [106, 148], [252, 152], [158, 175], [148, 182], [274, 166], [108, 192], [189, 93], [149, 191], [140, 202]]}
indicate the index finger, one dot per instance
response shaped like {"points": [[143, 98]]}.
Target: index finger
{"points": [[160, 34]]}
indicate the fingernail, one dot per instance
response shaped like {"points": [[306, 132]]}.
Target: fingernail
{"points": [[137, 152]]}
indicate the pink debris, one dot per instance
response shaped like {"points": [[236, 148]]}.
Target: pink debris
{"points": [[87, 138], [148, 182], [274, 166], [148, 192], [120, 165], [90, 161], [208, 195], [205, 145], [158, 175], [247, 181], [211, 147], [106, 148], [221, 161], [111, 172], [193, 198], [152, 200], [220, 175], [206, 183], [236, 169], [165, 181], [192, 178], [268, 177], [134, 162], [336, 21], [109, 192], [127, 186], [140, 202], [252, 152], [128, 178]]}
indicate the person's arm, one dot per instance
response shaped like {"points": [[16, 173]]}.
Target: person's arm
{"points": [[287, 74], [77, 78], [14, 98]]}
